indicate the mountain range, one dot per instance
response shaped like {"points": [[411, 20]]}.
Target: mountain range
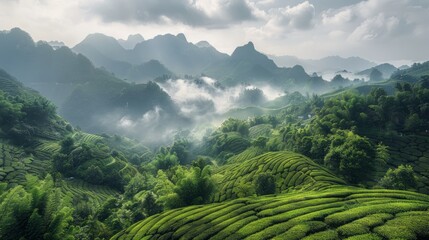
{"points": [[170, 55], [174, 52], [326, 64], [386, 70], [85, 95]]}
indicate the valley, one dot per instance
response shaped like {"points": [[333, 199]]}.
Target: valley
{"points": [[162, 135]]}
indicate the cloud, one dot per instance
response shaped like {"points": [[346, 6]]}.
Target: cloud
{"points": [[376, 27], [299, 17], [195, 13]]}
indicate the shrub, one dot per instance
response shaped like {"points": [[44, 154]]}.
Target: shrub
{"points": [[402, 178], [265, 184]]}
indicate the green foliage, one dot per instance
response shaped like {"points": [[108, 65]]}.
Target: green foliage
{"points": [[260, 142], [67, 145], [165, 161], [195, 188], [336, 213], [351, 156], [291, 171], [35, 212], [150, 204], [235, 125], [265, 184], [402, 177]]}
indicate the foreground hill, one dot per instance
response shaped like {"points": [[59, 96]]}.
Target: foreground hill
{"points": [[346, 213]]}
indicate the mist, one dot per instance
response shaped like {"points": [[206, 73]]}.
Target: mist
{"points": [[202, 105]]}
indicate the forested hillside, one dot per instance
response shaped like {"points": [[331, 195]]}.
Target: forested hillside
{"points": [[88, 97]]}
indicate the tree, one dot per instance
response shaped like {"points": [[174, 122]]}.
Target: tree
{"points": [[260, 142], [35, 212], [151, 205], [351, 156], [265, 184], [196, 187], [67, 145], [94, 175], [402, 178], [235, 125], [166, 161]]}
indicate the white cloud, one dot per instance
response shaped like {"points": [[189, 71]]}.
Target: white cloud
{"points": [[197, 13], [300, 17], [375, 29]]}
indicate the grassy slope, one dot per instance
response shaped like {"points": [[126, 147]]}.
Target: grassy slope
{"points": [[338, 212], [292, 172]]}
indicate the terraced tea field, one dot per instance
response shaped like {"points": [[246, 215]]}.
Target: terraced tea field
{"points": [[15, 164], [249, 153], [79, 190], [335, 213], [260, 130], [412, 150], [82, 137], [292, 172]]}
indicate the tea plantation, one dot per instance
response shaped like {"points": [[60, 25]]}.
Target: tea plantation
{"points": [[291, 171], [334, 213]]}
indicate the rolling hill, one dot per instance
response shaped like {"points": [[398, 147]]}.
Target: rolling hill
{"points": [[291, 171], [336, 213]]}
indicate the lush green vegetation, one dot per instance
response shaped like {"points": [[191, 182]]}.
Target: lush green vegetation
{"points": [[289, 171], [347, 165], [336, 213]]}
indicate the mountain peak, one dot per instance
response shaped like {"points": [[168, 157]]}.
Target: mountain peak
{"points": [[246, 51], [132, 41], [250, 45], [99, 38], [135, 37], [249, 53], [203, 44], [181, 36]]}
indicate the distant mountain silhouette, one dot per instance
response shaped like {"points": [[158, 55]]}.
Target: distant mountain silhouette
{"points": [[86, 96], [386, 69], [326, 64], [131, 41], [174, 52], [106, 52], [248, 66]]}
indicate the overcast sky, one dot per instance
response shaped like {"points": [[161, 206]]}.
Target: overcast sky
{"points": [[379, 30]]}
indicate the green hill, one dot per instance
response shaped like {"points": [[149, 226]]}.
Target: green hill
{"points": [[336, 213], [291, 172], [413, 73]]}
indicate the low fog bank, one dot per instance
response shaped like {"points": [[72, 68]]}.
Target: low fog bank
{"points": [[201, 106]]}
